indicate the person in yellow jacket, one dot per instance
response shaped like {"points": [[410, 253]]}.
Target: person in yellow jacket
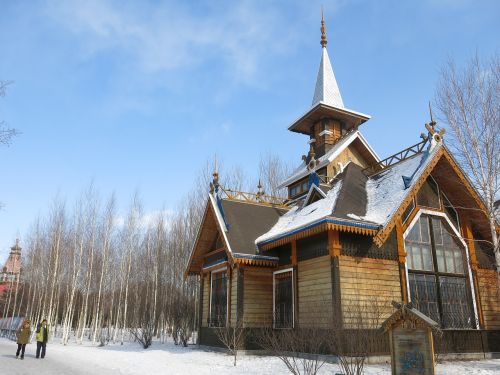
{"points": [[42, 335], [23, 338]]}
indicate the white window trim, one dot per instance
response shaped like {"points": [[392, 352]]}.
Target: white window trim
{"points": [[211, 294], [293, 294], [459, 237]]}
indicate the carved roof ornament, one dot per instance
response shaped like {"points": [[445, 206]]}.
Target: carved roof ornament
{"points": [[323, 30], [437, 136], [260, 191], [214, 185]]}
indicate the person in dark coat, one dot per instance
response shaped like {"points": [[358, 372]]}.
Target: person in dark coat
{"points": [[42, 335], [23, 338]]}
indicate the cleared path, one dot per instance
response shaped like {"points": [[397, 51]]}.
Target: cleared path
{"points": [[55, 362]]}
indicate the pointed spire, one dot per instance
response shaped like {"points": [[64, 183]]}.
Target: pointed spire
{"points": [[326, 90]]}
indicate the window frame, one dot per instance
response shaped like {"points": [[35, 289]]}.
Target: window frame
{"points": [[219, 270], [467, 270], [290, 269]]}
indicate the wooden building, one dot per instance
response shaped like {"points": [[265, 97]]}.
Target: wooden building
{"points": [[354, 230]]}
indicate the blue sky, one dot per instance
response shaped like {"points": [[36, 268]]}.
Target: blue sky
{"points": [[138, 95]]}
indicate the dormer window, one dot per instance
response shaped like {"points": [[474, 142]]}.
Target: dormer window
{"points": [[299, 188]]}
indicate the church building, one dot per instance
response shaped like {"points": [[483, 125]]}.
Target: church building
{"points": [[353, 230]]}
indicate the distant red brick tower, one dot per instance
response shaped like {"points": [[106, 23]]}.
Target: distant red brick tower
{"points": [[12, 267]]}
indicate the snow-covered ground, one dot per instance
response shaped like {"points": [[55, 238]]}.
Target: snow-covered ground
{"points": [[170, 359]]}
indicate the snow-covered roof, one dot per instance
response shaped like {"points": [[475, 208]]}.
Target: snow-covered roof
{"points": [[326, 90], [367, 202], [329, 156], [386, 190], [299, 217]]}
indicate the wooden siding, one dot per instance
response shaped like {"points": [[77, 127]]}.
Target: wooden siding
{"points": [[258, 300], [314, 283], [368, 286], [206, 300], [234, 297], [490, 297]]}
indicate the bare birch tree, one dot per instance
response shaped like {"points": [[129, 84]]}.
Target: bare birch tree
{"points": [[469, 101], [6, 133]]}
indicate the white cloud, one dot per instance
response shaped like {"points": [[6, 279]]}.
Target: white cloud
{"points": [[166, 36], [148, 218]]}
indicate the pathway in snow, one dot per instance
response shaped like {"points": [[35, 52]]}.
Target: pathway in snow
{"points": [[55, 362], [167, 358]]}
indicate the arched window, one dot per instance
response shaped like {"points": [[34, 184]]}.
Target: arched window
{"points": [[437, 273]]}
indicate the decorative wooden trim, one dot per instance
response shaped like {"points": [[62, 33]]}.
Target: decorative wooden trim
{"points": [[402, 259], [255, 262], [351, 229], [382, 234], [294, 252], [400, 241], [334, 246], [318, 229]]}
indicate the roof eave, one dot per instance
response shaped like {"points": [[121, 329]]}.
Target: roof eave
{"points": [[368, 228], [301, 125]]}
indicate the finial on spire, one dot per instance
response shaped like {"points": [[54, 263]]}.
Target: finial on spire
{"points": [[260, 191], [323, 30], [433, 123], [214, 185]]}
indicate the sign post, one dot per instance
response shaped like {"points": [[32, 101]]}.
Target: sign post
{"points": [[410, 337]]}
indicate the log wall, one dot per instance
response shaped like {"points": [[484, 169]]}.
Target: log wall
{"points": [[368, 286], [314, 285], [206, 300], [489, 293], [234, 297], [258, 300]]}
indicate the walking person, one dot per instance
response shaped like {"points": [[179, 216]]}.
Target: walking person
{"points": [[23, 338], [42, 335]]}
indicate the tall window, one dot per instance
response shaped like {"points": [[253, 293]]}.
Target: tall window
{"points": [[218, 302], [283, 299], [439, 285]]}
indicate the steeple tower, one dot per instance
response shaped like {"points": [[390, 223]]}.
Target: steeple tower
{"points": [[332, 131], [328, 120], [12, 266]]}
